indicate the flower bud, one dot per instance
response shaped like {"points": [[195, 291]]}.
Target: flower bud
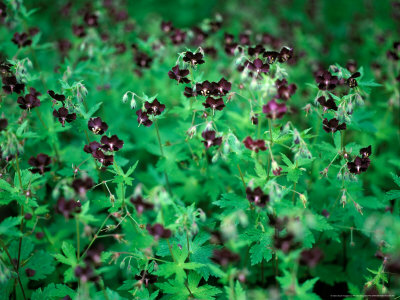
{"points": [[303, 199]]}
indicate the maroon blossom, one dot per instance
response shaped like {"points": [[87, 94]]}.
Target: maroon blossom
{"points": [[143, 118], [97, 126], [63, 115], [333, 125], [154, 108], [179, 74], [213, 103], [158, 231], [210, 139], [257, 196], [254, 145], [112, 143], [274, 110], [40, 163]]}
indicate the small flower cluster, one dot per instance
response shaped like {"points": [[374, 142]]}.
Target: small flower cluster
{"points": [[103, 151], [360, 164], [154, 109], [62, 114], [257, 196]]}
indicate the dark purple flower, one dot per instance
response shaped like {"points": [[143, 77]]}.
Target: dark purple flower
{"points": [[146, 278], [97, 126], [154, 108], [10, 85], [327, 104], [222, 87], [178, 37], [311, 257], [78, 30], [3, 124], [56, 97], [142, 60], [333, 125], [92, 147], [326, 81], [179, 75], [224, 257], [255, 51], [140, 205], [205, 88], [112, 143], [105, 160], [21, 39], [143, 118], [351, 65], [198, 36], [257, 196], [212, 103], [210, 139], [274, 110], [258, 66], [359, 165], [81, 186], [230, 48], [30, 272], [158, 231], [366, 152], [351, 81], [86, 274], [120, 48], [285, 243], [67, 207], [284, 90], [64, 45], [28, 102], [285, 54], [90, 19], [28, 216], [63, 115], [244, 39], [271, 56], [167, 26], [193, 58], [40, 163], [254, 145], [210, 51], [189, 92], [254, 120]]}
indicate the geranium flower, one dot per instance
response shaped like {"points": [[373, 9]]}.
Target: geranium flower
{"points": [[212, 103], [63, 115], [92, 147], [179, 75], [326, 81], [285, 54], [256, 51], [86, 274], [78, 30], [97, 126], [3, 124], [223, 87], [81, 186], [327, 104], [143, 118], [105, 160], [285, 243], [178, 37], [167, 26], [189, 92], [244, 39], [257, 196], [142, 60], [224, 256], [56, 97], [258, 66], [366, 152], [90, 19], [359, 165], [205, 88], [67, 207], [333, 125], [10, 85], [311, 257], [351, 81], [112, 143], [40, 163], [274, 110], [154, 108], [158, 231], [254, 145], [140, 205], [193, 59], [21, 39], [210, 139], [271, 56], [284, 90]]}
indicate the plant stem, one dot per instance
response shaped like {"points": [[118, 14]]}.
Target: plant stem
{"points": [[241, 176], [15, 269], [95, 236], [170, 250], [22, 210], [78, 238], [162, 154]]}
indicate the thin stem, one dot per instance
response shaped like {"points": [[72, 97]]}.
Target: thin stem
{"points": [[22, 210], [170, 250], [15, 269], [162, 154], [95, 236], [270, 131], [241, 176], [78, 238]]}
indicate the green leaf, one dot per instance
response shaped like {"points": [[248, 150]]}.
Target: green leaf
{"points": [[69, 257], [7, 227]]}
